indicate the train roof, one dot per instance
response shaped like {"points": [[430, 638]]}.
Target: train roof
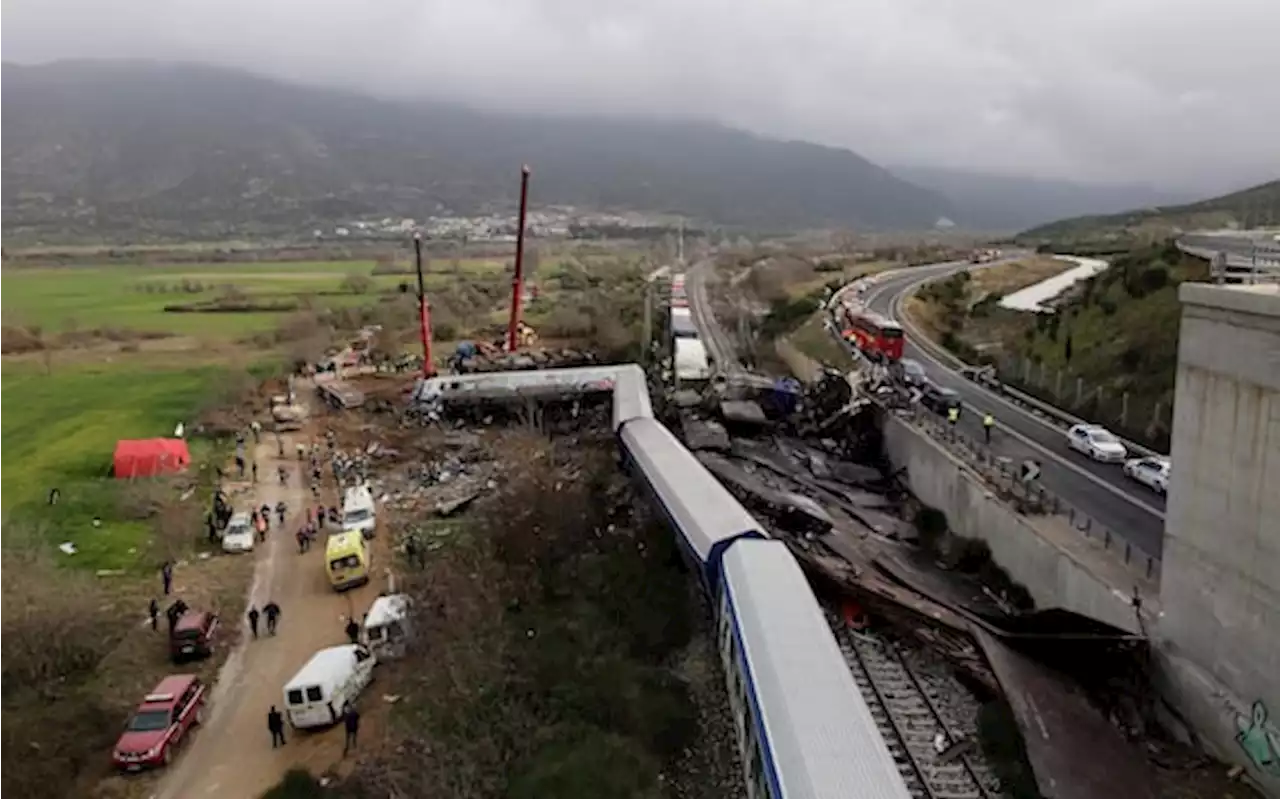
{"points": [[704, 513], [822, 739]]}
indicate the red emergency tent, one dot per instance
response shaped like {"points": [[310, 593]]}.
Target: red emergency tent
{"points": [[148, 457]]}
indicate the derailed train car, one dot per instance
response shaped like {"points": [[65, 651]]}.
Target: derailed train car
{"points": [[804, 730]]}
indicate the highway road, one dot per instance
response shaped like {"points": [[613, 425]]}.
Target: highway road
{"points": [[1100, 491]]}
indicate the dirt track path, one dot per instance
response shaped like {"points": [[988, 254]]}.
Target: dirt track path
{"points": [[231, 755]]}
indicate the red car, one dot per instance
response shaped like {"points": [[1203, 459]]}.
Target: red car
{"points": [[159, 724]]}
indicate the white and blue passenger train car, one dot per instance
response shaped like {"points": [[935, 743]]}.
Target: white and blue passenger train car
{"points": [[804, 730], [703, 514], [803, 727]]}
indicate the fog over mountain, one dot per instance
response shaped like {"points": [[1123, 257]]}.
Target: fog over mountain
{"points": [[1174, 94]]}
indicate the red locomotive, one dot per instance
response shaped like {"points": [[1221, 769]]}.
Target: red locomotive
{"points": [[878, 337]]}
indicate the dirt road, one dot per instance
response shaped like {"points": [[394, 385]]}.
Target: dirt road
{"points": [[231, 755]]}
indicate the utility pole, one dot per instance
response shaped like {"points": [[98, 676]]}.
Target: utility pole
{"points": [[680, 243], [424, 314], [647, 338], [517, 280]]}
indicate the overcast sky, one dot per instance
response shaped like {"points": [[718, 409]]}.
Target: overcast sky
{"points": [[1174, 92]]}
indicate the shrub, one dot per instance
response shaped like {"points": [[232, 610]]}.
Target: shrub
{"points": [[297, 783], [356, 283]]}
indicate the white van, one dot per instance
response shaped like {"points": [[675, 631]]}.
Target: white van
{"points": [[319, 693], [358, 511], [387, 627]]}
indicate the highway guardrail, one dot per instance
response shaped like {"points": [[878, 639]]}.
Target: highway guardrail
{"points": [[1043, 410], [1031, 498]]}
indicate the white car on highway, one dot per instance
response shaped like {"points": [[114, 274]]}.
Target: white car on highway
{"points": [[239, 534], [1152, 472], [1096, 442]]}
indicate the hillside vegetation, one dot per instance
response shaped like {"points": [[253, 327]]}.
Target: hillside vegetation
{"points": [[1258, 206], [137, 150]]}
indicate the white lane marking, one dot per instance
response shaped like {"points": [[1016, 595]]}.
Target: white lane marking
{"points": [[895, 301]]}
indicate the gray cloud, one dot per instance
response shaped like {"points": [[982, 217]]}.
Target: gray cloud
{"points": [[1166, 91]]}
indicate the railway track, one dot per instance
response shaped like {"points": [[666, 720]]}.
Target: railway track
{"points": [[928, 752]]}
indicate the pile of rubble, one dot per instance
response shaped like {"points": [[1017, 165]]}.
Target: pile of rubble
{"points": [[471, 358]]}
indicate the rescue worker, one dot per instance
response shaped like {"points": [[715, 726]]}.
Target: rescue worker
{"points": [[275, 724], [988, 422], [253, 620], [351, 722], [272, 612], [953, 415]]}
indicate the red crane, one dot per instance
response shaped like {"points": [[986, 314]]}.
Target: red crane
{"points": [[517, 280], [424, 314]]}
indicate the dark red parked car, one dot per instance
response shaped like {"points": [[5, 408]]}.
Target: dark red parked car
{"points": [[159, 724]]}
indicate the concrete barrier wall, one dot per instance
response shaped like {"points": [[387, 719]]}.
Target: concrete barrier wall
{"points": [[1053, 577], [1219, 638]]}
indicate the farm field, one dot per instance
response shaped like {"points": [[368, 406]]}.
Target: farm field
{"points": [[59, 431], [57, 299]]}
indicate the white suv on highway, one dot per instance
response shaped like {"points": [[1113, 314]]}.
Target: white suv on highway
{"points": [[1151, 472], [1096, 442]]}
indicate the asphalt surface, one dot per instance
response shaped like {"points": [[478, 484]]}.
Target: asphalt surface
{"points": [[1100, 491]]}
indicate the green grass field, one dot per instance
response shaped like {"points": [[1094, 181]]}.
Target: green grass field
{"points": [[60, 431], [134, 297]]}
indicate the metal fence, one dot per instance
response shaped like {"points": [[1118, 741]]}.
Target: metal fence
{"points": [[1028, 498], [1148, 422]]}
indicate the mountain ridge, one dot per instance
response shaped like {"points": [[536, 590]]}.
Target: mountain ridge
{"points": [[1254, 206], [92, 148]]}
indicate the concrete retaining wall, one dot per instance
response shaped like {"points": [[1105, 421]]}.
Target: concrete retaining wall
{"points": [[1220, 582], [1054, 578]]}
